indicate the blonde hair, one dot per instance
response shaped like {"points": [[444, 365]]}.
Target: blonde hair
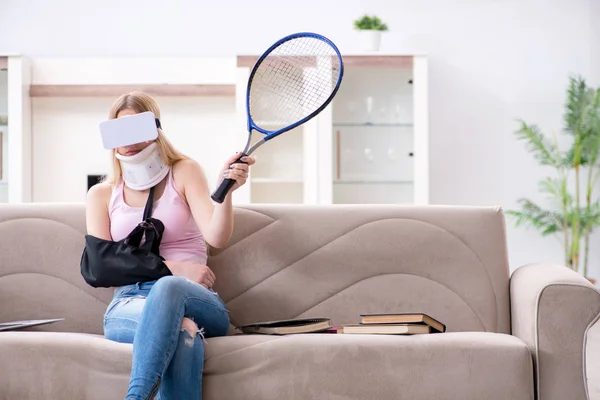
{"points": [[140, 102]]}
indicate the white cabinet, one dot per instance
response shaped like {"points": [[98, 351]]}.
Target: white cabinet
{"points": [[370, 145], [3, 129], [15, 126]]}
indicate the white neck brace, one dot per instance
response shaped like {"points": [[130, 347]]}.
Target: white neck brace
{"points": [[143, 170]]}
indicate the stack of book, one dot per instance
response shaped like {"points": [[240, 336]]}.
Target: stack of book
{"points": [[383, 324], [393, 324]]}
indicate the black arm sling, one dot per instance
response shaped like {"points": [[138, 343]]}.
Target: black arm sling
{"points": [[106, 263]]}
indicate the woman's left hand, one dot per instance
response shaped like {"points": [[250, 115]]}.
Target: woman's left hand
{"points": [[236, 170]]}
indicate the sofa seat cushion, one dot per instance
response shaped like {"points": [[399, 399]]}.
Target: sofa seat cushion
{"points": [[464, 366], [61, 365]]}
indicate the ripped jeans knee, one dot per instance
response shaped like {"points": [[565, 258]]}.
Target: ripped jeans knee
{"points": [[191, 328]]}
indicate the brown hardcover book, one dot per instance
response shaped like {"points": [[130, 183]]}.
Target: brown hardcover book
{"points": [[288, 326], [403, 318], [386, 329], [333, 329]]}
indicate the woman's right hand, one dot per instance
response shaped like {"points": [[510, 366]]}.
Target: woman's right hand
{"points": [[195, 272]]}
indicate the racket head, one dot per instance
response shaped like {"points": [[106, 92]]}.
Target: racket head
{"points": [[281, 81]]}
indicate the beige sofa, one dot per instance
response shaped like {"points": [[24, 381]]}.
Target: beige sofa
{"points": [[532, 335]]}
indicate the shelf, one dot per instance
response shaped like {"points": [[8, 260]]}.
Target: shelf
{"points": [[388, 61], [371, 182], [275, 180], [250, 61], [378, 61], [368, 124], [117, 90]]}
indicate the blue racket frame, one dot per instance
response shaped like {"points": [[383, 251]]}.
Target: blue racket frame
{"points": [[226, 184], [270, 134]]}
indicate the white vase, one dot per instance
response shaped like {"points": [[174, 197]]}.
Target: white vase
{"points": [[370, 40]]}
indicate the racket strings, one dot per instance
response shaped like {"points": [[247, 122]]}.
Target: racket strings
{"points": [[293, 81]]}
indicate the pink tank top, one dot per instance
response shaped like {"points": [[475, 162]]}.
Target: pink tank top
{"points": [[182, 239]]}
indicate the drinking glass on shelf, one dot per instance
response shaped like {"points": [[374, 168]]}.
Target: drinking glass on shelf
{"points": [[349, 112], [369, 102], [383, 113], [368, 154], [392, 154], [402, 109], [397, 113]]}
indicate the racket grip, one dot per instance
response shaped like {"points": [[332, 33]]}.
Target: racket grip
{"points": [[224, 188]]}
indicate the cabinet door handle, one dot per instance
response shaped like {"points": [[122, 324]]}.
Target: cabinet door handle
{"points": [[339, 155]]}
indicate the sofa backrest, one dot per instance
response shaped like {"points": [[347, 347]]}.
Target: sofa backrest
{"points": [[286, 261]]}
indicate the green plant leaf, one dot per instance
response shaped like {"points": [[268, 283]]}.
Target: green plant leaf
{"points": [[591, 129], [556, 189], [543, 150], [569, 157], [577, 99], [367, 22], [532, 215], [590, 217]]}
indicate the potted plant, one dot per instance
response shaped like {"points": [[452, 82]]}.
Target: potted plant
{"points": [[370, 28], [574, 209]]}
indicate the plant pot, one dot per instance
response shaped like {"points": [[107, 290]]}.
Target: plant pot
{"points": [[370, 40]]}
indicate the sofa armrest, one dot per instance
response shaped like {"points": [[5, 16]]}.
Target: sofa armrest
{"points": [[555, 311]]}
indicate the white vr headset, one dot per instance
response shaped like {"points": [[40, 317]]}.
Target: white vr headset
{"points": [[145, 169], [129, 129]]}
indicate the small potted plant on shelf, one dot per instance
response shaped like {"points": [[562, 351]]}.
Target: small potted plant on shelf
{"points": [[370, 28]]}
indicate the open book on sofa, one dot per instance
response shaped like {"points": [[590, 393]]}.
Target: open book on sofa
{"points": [[14, 325], [288, 326]]}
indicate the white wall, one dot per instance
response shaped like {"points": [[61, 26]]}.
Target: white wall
{"points": [[491, 61], [595, 43]]}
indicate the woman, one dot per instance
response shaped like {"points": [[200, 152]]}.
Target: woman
{"points": [[166, 320]]}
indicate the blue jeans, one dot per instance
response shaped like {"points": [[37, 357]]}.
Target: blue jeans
{"points": [[167, 359]]}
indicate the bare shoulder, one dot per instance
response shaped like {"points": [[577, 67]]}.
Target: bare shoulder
{"points": [[189, 179], [96, 210], [99, 193], [187, 170]]}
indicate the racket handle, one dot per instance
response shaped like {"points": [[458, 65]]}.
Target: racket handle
{"points": [[225, 186]]}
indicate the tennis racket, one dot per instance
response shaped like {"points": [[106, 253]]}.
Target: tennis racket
{"points": [[293, 81]]}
